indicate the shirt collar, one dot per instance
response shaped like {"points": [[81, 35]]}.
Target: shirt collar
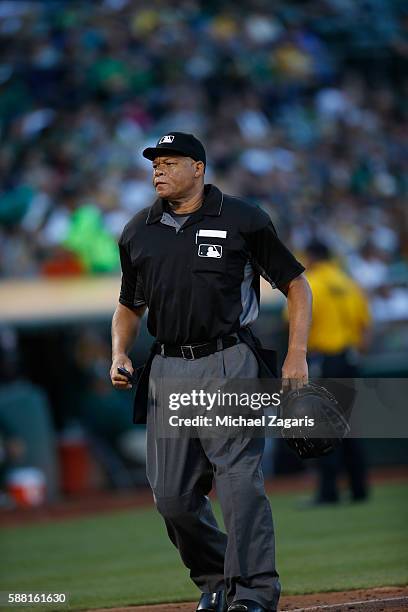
{"points": [[212, 205]]}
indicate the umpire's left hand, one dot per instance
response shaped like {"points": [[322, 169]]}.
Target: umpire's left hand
{"points": [[295, 373]]}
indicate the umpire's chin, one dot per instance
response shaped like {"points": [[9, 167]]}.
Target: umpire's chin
{"points": [[163, 189]]}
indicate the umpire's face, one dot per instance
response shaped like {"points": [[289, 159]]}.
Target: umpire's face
{"points": [[175, 176]]}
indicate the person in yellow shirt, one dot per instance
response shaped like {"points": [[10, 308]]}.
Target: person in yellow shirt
{"points": [[340, 330], [341, 315]]}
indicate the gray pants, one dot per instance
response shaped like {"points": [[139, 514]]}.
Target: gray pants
{"points": [[181, 473]]}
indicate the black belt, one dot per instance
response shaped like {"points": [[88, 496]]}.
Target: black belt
{"points": [[196, 351]]}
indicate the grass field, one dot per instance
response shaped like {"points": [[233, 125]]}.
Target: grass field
{"points": [[126, 558]]}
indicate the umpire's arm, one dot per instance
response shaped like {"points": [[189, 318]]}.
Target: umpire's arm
{"points": [[282, 270], [299, 296], [127, 318], [125, 329]]}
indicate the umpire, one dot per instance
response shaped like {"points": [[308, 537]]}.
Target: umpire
{"points": [[194, 259]]}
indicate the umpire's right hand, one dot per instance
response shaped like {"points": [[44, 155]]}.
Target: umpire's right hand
{"points": [[120, 381]]}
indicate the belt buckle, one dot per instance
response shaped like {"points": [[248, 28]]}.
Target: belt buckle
{"points": [[190, 348]]}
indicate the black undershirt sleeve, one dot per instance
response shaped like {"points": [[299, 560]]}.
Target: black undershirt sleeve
{"points": [[131, 290], [270, 257]]}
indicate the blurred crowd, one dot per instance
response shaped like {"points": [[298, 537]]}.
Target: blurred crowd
{"points": [[300, 105]]}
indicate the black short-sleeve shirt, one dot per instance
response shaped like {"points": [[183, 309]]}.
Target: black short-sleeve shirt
{"points": [[200, 281]]}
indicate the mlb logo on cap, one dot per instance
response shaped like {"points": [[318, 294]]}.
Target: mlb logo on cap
{"points": [[177, 143], [169, 138]]}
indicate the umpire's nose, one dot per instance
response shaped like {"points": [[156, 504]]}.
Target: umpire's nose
{"points": [[158, 170]]}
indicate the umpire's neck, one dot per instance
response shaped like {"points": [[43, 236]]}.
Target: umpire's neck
{"points": [[185, 205]]}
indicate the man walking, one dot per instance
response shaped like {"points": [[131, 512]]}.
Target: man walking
{"points": [[194, 259]]}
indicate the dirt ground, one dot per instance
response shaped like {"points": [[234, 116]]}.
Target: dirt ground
{"points": [[389, 599]]}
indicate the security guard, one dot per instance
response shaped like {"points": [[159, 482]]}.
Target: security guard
{"points": [[194, 259], [340, 327]]}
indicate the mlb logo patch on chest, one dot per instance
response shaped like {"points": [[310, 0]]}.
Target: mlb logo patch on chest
{"points": [[210, 250]]}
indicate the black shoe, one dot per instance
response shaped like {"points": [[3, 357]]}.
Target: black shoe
{"points": [[212, 602], [246, 605]]}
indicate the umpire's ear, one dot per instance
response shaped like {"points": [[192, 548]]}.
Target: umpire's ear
{"points": [[200, 169]]}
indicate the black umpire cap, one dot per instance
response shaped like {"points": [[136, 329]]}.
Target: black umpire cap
{"points": [[179, 143]]}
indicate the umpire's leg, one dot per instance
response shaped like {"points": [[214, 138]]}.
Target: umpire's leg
{"points": [[181, 476], [249, 568], [250, 571]]}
